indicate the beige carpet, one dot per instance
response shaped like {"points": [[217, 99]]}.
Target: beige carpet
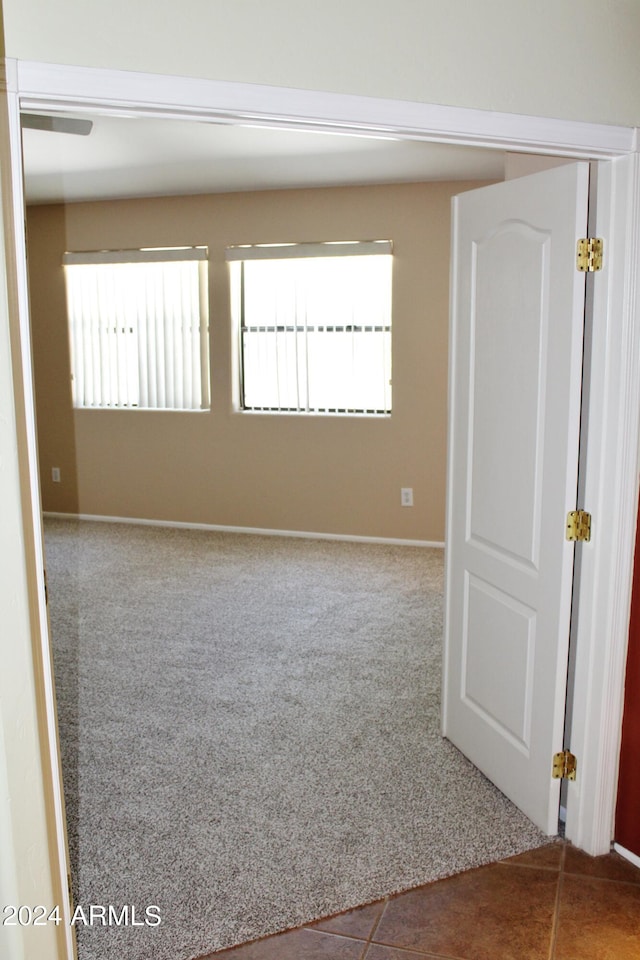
{"points": [[250, 733]]}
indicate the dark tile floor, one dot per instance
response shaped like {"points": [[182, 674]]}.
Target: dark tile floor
{"points": [[555, 903]]}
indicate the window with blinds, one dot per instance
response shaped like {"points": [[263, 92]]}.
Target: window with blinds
{"points": [[138, 328], [314, 322]]}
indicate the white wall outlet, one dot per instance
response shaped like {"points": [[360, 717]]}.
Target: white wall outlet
{"points": [[55, 474], [406, 496]]}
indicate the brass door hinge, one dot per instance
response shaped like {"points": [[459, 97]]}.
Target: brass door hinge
{"points": [[578, 525], [564, 766], [589, 256]]}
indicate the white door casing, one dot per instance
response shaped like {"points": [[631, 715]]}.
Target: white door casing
{"points": [[517, 318]]}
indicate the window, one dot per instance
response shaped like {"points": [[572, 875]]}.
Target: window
{"points": [[138, 328], [315, 326]]}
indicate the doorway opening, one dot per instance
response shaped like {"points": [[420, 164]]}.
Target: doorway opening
{"points": [[578, 151]]}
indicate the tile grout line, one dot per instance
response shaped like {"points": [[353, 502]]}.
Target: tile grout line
{"points": [[593, 876], [390, 946], [371, 941], [582, 875], [411, 952], [374, 928]]}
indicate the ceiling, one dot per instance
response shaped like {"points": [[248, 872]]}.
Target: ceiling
{"points": [[139, 157]]}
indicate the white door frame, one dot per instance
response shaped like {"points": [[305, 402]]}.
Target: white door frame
{"points": [[614, 395]]}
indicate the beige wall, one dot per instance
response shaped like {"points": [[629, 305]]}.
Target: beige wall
{"points": [[556, 58], [324, 474]]}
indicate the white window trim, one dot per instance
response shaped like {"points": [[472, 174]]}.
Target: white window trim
{"points": [[151, 255], [297, 251]]}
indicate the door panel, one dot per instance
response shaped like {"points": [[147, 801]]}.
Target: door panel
{"points": [[517, 319], [505, 399], [507, 707]]}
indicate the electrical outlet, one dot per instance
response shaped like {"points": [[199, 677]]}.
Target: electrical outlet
{"points": [[55, 474], [406, 496]]}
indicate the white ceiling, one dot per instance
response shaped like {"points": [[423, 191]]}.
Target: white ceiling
{"points": [[125, 157]]}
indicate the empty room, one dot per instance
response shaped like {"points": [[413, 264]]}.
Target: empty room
{"points": [[248, 668]]}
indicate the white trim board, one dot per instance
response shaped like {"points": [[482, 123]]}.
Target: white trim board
{"points": [[60, 87], [611, 496], [631, 857], [256, 531]]}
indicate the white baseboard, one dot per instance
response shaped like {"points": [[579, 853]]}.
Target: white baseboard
{"points": [[256, 531], [631, 857]]}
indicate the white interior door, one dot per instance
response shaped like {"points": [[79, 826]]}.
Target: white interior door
{"points": [[517, 318]]}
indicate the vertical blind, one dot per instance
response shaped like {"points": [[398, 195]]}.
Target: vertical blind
{"points": [[138, 327], [315, 326]]}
